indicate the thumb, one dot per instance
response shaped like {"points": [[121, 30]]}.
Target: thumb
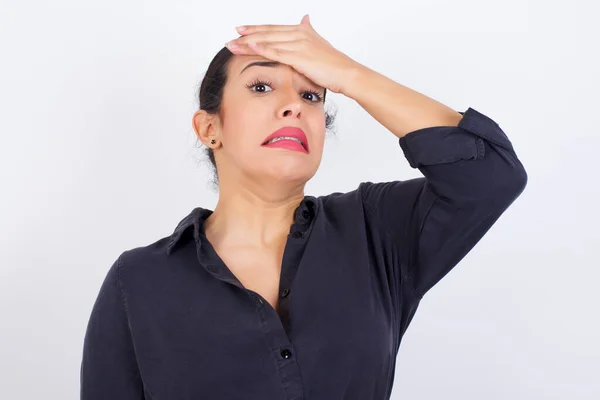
{"points": [[305, 20]]}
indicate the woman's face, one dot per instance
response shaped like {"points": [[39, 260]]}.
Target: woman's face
{"points": [[258, 100]]}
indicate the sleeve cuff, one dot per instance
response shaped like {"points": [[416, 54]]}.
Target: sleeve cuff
{"points": [[446, 144]]}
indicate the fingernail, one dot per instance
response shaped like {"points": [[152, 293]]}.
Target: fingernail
{"points": [[241, 28], [232, 46]]}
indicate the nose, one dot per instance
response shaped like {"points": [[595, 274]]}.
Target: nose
{"points": [[290, 111], [292, 107]]}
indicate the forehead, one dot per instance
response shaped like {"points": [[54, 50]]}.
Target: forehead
{"points": [[240, 62]]}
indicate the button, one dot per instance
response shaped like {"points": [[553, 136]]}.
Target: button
{"points": [[285, 353], [297, 234], [305, 214], [285, 292]]}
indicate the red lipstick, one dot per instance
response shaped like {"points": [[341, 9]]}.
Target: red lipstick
{"points": [[293, 133]]}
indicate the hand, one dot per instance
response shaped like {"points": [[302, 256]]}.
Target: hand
{"points": [[300, 47]]}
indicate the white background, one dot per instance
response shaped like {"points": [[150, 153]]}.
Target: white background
{"points": [[97, 155]]}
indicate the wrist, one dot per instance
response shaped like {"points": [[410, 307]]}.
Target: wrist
{"points": [[355, 75]]}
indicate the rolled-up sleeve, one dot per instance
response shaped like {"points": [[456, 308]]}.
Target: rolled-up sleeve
{"points": [[109, 368], [471, 176]]}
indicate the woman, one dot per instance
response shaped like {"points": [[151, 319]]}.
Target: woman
{"points": [[279, 295]]}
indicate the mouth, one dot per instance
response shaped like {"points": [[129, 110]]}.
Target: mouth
{"points": [[288, 137]]}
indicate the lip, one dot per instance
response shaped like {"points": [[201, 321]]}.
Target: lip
{"points": [[290, 131]]}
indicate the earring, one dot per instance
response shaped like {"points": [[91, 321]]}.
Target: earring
{"points": [[213, 141]]}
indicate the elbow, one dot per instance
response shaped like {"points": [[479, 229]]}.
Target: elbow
{"points": [[512, 183], [520, 180]]}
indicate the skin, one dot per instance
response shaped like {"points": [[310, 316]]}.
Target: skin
{"points": [[260, 187]]}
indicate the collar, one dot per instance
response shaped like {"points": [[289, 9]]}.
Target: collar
{"points": [[303, 216]]}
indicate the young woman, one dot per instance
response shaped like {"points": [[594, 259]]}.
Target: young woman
{"points": [[276, 294]]}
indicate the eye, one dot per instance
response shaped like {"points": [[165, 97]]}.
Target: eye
{"points": [[318, 97], [315, 94], [258, 83]]}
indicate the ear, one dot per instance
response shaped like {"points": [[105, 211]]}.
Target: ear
{"points": [[204, 125]]}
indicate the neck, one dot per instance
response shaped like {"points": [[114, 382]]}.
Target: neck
{"points": [[253, 218]]}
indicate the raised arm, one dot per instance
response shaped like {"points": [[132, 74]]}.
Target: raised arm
{"points": [[471, 176]]}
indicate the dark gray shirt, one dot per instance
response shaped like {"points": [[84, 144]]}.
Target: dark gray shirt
{"points": [[171, 321]]}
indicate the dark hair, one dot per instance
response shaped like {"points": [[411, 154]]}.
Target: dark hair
{"points": [[210, 97]]}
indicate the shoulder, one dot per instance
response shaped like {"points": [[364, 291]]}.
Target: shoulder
{"points": [[158, 259], [375, 206], [373, 194], [145, 260]]}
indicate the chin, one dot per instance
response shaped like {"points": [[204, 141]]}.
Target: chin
{"points": [[290, 171]]}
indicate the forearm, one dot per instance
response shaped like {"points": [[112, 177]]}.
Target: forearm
{"points": [[400, 109]]}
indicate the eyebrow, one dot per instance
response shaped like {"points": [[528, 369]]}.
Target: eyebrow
{"points": [[261, 64]]}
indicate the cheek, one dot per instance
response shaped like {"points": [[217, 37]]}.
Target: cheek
{"points": [[243, 131], [319, 132]]}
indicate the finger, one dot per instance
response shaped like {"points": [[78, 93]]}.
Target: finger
{"points": [[248, 29], [305, 20], [275, 36], [241, 49], [284, 52], [276, 53]]}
